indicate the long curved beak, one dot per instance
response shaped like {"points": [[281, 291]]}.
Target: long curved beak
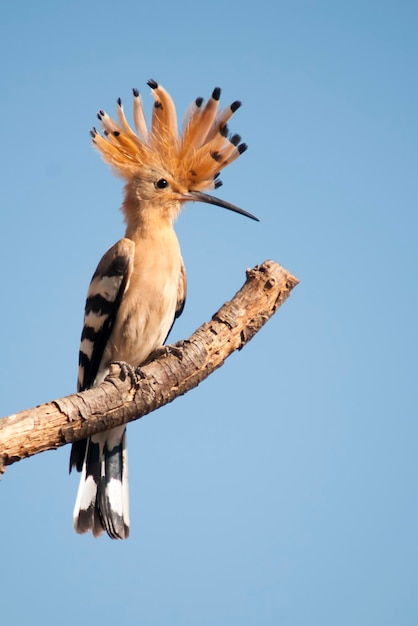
{"points": [[199, 196]]}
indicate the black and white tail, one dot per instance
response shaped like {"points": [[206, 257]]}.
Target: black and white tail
{"points": [[102, 502]]}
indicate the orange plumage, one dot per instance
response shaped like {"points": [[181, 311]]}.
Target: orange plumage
{"points": [[193, 158]]}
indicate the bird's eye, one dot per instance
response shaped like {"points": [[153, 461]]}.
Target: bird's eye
{"points": [[162, 183]]}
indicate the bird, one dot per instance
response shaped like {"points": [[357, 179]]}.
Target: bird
{"points": [[139, 286]]}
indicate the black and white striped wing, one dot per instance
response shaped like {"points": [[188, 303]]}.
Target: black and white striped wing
{"points": [[109, 283]]}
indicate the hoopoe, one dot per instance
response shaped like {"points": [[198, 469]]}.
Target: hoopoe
{"points": [[139, 286]]}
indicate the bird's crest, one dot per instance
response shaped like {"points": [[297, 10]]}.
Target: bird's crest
{"points": [[194, 158]]}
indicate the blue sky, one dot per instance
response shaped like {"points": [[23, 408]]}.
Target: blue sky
{"points": [[284, 489]]}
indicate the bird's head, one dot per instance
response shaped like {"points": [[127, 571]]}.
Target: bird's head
{"points": [[165, 169]]}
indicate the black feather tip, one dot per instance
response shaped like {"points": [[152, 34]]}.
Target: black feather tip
{"points": [[152, 83], [224, 130], [216, 93], [235, 105]]}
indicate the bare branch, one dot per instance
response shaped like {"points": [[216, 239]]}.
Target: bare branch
{"points": [[118, 401]]}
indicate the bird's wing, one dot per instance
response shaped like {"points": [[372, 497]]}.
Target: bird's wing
{"points": [[104, 296], [109, 283], [181, 291], [181, 296]]}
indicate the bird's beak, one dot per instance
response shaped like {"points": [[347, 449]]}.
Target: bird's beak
{"points": [[198, 196]]}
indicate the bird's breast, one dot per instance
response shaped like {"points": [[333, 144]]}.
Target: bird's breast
{"points": [[148, 307]]}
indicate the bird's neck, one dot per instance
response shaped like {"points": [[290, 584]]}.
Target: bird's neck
{"points": [[144, 220]]}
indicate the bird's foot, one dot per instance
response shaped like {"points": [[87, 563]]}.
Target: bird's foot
{"points": [[135, 373], [176, 349]]}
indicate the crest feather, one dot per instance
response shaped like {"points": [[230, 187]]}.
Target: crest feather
{"points": [[193, 158], [139, 116]]}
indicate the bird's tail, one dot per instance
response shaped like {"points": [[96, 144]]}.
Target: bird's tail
{"points": [[102, 502]]}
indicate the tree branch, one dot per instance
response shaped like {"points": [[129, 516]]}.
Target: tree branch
{"points": [[117, 401]]}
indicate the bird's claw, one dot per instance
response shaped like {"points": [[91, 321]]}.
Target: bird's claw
{"points": [[176, 349], [134, 373]]}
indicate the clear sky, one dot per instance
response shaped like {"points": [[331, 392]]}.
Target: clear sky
{"points": [[284, 489]]}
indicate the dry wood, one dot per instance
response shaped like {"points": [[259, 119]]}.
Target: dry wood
{"points": [[118, 401]]}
